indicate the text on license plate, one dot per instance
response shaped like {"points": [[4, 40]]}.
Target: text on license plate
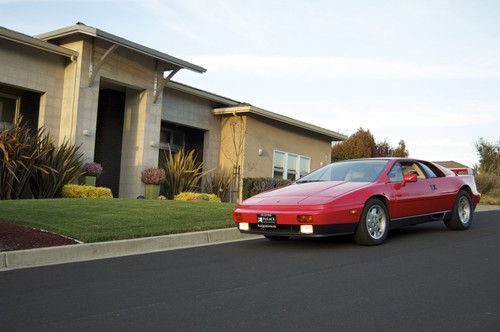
{"points": [[266, 220]]}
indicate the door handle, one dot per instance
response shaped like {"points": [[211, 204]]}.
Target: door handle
{"points": [[433, 187]]}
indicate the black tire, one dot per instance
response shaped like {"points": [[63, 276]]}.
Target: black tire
{"points": [[376, 233], [276, 237], [462, 214]]}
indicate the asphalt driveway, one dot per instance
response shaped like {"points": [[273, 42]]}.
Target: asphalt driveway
{"points": [[423, 278]]}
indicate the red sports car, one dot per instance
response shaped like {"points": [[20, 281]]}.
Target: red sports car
{"points": [[364, 197]]}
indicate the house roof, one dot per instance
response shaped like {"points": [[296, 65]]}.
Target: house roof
{"points": [[451, 164], [249, 109], [202, 93], [80, 28], [20, 38], [237, 107]]}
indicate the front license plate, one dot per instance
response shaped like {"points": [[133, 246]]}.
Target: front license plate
{"points": [[266, 220]]}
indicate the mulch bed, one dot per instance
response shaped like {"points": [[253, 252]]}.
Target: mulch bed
{"points": [[16, 237]]}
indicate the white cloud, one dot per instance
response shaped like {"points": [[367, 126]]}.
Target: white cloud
{"points": [[346, 68]]}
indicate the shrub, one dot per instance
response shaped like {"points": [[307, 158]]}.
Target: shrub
{"points": [[29, 157], [254, 186], [191, 196], [92, 169], [153, 176], [183, 172], [19, 153], [219, 183], [487, 183], [62, 165], [81, 191]]}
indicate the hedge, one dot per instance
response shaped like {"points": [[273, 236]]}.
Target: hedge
{"points": [[191, 196], [254, 186], [82, 191]]}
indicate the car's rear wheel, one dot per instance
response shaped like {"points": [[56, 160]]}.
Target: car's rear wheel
{"points": [[276, 238], [373, 225], [461, 216]]}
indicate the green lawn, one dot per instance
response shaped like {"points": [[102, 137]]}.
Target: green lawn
{"points": [[92, 220]]}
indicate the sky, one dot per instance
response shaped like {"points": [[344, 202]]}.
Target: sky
{"points": [[427, 72]]}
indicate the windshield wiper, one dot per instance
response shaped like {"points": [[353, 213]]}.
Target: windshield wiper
{"points": [[308, 181]]}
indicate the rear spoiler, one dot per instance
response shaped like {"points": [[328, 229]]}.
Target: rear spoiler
{"points": [[462, 171]]}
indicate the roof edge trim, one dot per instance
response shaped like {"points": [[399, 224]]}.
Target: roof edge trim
{"points": [[201, 93], [36, 43], [280, 118], [97, 33]]}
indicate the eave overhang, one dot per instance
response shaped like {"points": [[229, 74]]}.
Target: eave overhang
{"points": [[252, 110], [122, 42], [23, 39]]}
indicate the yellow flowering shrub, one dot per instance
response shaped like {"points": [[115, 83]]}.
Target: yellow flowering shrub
{"points": [[191, 196], [82, 191]]}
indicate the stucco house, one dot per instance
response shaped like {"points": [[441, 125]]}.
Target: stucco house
{"points": [[116, 99]]}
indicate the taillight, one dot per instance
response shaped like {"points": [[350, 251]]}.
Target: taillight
{"points": [[305, 218], [238, 217]]}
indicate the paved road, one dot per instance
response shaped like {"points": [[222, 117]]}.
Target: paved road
{"points": [[423, 278]]}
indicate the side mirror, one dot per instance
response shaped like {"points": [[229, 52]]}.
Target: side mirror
{"points": [[410, 178]]}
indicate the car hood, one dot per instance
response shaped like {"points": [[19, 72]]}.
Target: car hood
{"points": [[306, 193]]}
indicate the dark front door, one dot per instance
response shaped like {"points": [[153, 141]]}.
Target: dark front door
{"points": [[108, 140]]}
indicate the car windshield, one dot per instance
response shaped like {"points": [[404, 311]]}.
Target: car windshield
{"points": [[350, 171]]}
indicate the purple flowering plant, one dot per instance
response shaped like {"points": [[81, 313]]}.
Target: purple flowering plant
{"points": [[153, 176], [92, 169]]}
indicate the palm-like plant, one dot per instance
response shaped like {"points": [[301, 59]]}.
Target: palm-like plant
{"points": [[28, 156], [182, 172], [219, 183], [19, 153], [62, 165]]}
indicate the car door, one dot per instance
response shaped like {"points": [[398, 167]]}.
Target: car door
{"points": [[443, 191], [412, 198]]}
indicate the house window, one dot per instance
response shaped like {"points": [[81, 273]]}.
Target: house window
{"points": [[9, 106], [290, 165], [278, 165], [172, 139], [305, 166]]}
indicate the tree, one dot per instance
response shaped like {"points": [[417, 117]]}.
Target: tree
{"points": [[361, 144], [401, 150], [383, 149], [489, 156]]}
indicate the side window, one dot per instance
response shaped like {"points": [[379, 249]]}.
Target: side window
{"points": [[420, 173], [413, 168], [396, 173], [430, 173]]}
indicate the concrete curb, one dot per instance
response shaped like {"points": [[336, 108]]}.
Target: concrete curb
{"points": [[90, 251], [483, 207]]}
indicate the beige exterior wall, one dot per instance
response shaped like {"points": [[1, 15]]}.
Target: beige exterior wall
{"points": [[191, 111], [233, 137], [141, 134], [31, 69], [69, 106], [270, 137]]}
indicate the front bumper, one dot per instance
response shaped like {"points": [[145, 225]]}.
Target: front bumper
{"points": [[294, 230]]}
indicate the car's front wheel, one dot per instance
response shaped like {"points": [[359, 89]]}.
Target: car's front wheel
{"points": [[461, 216], [373, 225]]}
